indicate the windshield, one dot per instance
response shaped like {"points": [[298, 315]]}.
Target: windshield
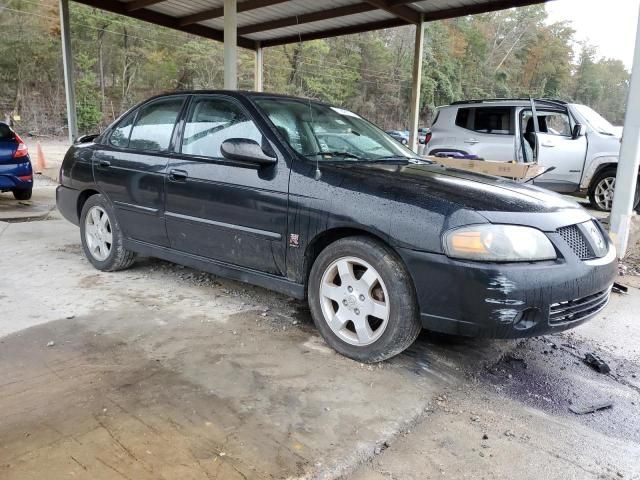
{"points": [[595, 120], [328, 133]]}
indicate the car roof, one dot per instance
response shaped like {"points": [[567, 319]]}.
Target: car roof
{"points": [[238, 94], [513, 102]]}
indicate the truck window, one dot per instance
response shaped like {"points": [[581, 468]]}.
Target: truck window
{"points": [[496, 121]]}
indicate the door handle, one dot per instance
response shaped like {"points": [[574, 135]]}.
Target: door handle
{"points": [[471, 141], [548, 144], [104, 163], [178, 175]]}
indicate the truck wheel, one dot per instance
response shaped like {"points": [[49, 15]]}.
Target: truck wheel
{"points": [[362, 300], [102, 237], [22, 193], [602, 188]]}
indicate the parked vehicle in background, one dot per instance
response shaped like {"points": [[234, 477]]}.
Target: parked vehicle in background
{"points": [[401, 136], [16, 174], [314, 201], [424, 135], [580, 144]]}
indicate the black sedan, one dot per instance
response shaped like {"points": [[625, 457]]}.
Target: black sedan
{"points": [[255, 187]]}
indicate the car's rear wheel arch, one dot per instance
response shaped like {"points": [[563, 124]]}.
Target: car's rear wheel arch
{"points": [[82, 199]]}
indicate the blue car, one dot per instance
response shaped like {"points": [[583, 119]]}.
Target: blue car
{"points": [[16, 174]]}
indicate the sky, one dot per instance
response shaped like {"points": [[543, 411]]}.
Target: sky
{"points": [[610, 25]]}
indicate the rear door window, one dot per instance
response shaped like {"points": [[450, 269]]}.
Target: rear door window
{"points": [[154, 125], [493, 120], [120, 135], [211, 121]]}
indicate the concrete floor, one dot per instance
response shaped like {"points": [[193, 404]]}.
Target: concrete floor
{"points": [[164, 372]]}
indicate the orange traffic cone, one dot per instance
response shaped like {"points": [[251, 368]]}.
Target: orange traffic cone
{"points": [[41, 162]]}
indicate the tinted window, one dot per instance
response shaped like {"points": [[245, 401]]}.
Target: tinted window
{"points": [[462, 118], [5, 132], [493, 120], [120, 135], [210, 122], [154, 125]]}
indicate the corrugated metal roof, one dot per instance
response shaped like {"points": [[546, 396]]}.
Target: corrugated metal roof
{"points": [[275, 22]]}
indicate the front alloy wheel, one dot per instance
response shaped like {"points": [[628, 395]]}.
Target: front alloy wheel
{"points": [[362, 299], [354, 301], [603, 193]]}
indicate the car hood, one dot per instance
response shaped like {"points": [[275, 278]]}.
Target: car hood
{"points": [[496, 199]]}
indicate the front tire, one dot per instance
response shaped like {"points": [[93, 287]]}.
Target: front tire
{"points": [[101, 236], [362, 300], [602, 189], [23, 193]]}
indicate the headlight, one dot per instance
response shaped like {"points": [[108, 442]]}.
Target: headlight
{"points": [[498, 243]]}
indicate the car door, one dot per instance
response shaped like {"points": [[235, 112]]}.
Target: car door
{"points": [[130, 168], [229, 211], [556, 147], [487, 132]]}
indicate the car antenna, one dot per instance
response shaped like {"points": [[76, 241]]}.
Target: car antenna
{"points": [[318, 174]]}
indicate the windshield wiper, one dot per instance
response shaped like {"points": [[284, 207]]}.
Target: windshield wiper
{"points": [[335, 154], [401, 157]]}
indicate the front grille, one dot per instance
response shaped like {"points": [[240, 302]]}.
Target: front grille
{"points": [[574, 310], [574, 238]]}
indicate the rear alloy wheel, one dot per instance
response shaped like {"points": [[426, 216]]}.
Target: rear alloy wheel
{"points": [[362, 300], [102, 239]]}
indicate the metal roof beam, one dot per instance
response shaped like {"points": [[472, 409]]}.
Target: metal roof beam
{"points": [[307, 18], [478, 8], [335, 32], [138, 4], [219, 11], [401, 11], [165, 21]]}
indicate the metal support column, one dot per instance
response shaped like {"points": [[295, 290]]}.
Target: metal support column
{"points": [[230, 44], [259, 66], [67, 62], [627, 176], [414, 118]]}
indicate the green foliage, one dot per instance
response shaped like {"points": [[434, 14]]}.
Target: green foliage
{"points": [[120, 61]]}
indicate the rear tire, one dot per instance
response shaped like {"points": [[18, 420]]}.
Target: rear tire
{"points": [[602, 188], [362, 300], [23, 193], [101, 235]]}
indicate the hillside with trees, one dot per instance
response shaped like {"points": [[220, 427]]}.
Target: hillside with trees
{"points": [[120, 61]]}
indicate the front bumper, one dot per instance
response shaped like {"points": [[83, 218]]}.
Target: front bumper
{"points": [[16, 176], [509, 300]]}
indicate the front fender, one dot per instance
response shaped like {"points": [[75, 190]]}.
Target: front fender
{"points": [[594, 166]]}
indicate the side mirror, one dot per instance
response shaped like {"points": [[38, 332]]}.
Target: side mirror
{"points": [[246, 150], [578, 131], [86, 138]]}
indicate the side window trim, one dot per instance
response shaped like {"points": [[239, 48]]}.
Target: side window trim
{"points": [[185, 117]]}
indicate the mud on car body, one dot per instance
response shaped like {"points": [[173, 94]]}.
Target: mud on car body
{"points": [[381, 243]]}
